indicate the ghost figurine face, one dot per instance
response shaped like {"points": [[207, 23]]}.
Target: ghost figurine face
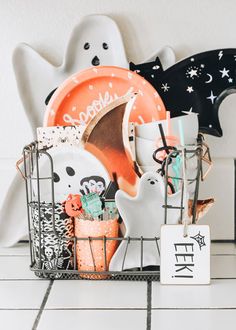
{"points": [[152, 184]]}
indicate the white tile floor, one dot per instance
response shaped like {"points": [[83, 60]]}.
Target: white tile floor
{"points": [[17, 319], [90, 320], [217, 295], [95, 294], [22, 294], [193, 319], [27, 302]]}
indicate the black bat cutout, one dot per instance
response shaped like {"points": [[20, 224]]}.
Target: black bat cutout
{"points": [[150, 70], [198, 83]]}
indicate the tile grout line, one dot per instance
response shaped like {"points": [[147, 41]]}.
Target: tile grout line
{"points": [[23, 279], [192, 308], [45, 298], [223, 255], [95, 309], [149, 305], [14, 255], [233, 308]]}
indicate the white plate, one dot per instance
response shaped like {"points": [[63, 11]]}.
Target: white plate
{"points": [[74, 170]]}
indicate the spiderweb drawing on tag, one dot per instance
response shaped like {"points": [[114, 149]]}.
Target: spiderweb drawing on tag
{"points": [[199, 239]]}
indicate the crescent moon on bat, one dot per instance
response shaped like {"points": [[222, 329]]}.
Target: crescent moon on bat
{"points": [[210, 79]]}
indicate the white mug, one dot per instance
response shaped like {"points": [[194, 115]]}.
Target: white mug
{"points": [[190, 126]]}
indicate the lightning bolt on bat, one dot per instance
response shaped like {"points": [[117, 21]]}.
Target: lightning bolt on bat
{"points": [[220, 54]]}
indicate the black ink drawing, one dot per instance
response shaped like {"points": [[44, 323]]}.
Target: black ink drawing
{"points": [[184, 257], [198, 83], [93, 184], [199, 239], [55, 253], [95, 61]]}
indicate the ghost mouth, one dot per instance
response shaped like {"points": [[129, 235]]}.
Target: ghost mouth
{"points": [[95, 61]]}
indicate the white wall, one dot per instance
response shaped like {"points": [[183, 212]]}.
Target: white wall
{"points": [[189, 26]]}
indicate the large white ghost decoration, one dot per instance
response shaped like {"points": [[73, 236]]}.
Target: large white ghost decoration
{"points": [[96, 40]]}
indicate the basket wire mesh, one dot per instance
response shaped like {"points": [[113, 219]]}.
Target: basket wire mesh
{"points": [[41, 255]]}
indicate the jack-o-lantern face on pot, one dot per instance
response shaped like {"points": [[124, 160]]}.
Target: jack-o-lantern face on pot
{"points": [[73, 205]]}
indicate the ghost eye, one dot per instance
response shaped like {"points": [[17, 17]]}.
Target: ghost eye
{"points": [[105, 45], [86, 45], [56, 177], [70, 171]]}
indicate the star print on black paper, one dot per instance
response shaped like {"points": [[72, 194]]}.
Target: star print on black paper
{"points": [[212, 97], [199, 239], [190, 89], [225, 73], [193, 72], [200, 82], [165, 87]]}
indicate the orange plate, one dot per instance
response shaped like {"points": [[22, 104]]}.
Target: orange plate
{"points": [[84, 94]]}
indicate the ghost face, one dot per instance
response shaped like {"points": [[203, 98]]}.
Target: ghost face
{"points": [[95, 41], [98, 42], [152, 183], [71, 179], [69, 173], [96, 60], [72, 168]]}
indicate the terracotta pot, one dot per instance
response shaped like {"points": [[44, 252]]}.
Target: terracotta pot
{"points": [[90, 253]]}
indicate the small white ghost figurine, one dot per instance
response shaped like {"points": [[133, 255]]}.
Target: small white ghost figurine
{"points": [[143, 216]]}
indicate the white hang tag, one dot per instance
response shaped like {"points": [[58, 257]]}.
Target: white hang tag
{"points": [[185, 260]]}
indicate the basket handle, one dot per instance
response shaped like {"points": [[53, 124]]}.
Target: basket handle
{"points": [[18, 164]]}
